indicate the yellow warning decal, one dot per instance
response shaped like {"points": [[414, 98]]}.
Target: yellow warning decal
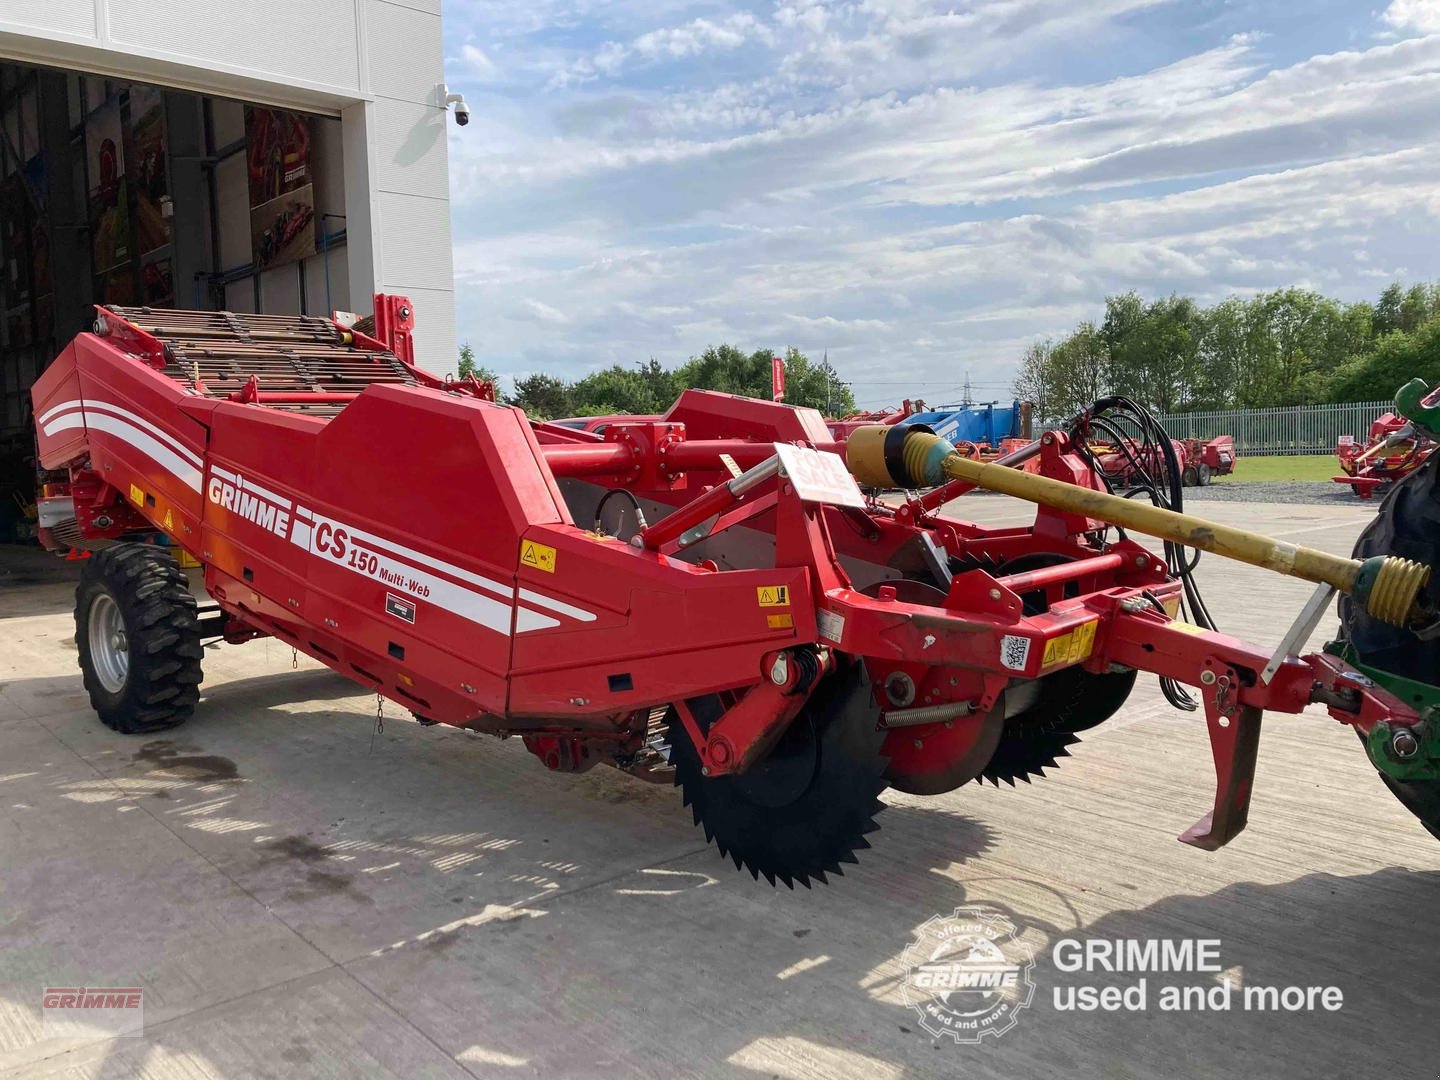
{"points": [[1185, 627], [781, 622], [169, 521], [1171, 605], [1073, 647], [773, 595], [538, 556], [137, 496]]}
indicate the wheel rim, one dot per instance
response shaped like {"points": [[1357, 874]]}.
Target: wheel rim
{"points": [[109, 647]]}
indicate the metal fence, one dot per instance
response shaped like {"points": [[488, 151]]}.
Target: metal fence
{"points": [[1305, 429]]}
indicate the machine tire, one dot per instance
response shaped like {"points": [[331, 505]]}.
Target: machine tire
{"points": [[1189, 477], [1202, 474], [138, 635], [1408, 525]]}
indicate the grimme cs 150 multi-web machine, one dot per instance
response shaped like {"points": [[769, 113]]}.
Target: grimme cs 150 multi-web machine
{"points": [[708, 598]]}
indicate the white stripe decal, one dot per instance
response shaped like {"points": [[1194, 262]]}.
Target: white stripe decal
{"points": [[378, 543], [250, 485], [48, 413], [164, 436], [527, 620], [460, 601], [552, 604], [186, 473], [426, 588]]}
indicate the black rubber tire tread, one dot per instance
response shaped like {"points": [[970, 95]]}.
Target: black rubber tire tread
{"points": [[162, 625], [1203, 475], [1407, 524], [812, 835], [1420, 797]]}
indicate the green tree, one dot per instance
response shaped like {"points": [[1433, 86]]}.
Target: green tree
{"points": [[646, 388], [1397, 358], [811, 385], [1152, 347], [468, 366], [543, 397], [1035, 382]]}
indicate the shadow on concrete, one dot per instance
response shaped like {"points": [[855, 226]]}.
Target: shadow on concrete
{"points": [[279, 688], [676, 964]]}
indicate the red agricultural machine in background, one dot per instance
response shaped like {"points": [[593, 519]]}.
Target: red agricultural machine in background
{"points": [[1395, 450], [842, 427], [1126, 462], [707, 598], [1206, 460]]}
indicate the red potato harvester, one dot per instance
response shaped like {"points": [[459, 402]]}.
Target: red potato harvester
{"points": [[705, 598], [1395, 450]]}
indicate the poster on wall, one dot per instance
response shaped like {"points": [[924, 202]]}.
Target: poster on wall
{"points": [[145, 167], [118, 286], [109, 205], [15, 221], [10, 129], [158, 282], [282, 186]]}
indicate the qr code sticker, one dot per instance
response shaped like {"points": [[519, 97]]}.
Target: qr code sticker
{"points": [[1014, 652]]}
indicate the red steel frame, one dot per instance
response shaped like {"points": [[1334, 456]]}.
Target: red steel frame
{"points": [[420, 542]]}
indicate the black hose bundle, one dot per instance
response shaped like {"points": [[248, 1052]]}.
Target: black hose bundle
{"points": [[1149, 467]]}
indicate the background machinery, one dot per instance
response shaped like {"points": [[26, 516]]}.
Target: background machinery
{"points": [[1397, 447], [706, 598]]}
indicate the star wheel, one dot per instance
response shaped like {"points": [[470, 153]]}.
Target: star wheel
{"points": [[806, 807]]}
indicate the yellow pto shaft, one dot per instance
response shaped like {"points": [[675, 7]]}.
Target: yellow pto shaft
{"points": [[890, 456]]}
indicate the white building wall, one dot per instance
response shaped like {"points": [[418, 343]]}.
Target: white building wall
{"points": [[376, 64]]}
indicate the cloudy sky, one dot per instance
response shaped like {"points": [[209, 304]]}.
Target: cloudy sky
{"points": [[922, 188]]}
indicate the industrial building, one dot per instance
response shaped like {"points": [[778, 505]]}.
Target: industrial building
{"points": [[279, 156]]}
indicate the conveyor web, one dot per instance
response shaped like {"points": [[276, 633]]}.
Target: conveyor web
{"points": [[290, 355]]}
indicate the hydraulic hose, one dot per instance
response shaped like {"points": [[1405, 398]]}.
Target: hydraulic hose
{"points": [[913, 456]]}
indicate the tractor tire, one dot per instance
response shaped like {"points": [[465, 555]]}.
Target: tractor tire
{"points": [[1202, 474], [138, 634], [1189, 478], [1407, 525]]}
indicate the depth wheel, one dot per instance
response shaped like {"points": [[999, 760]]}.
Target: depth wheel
{"points": [[1203, 475], [138, 634], [1189, 478], [805, 808]]}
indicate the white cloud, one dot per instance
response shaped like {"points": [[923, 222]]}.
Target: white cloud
{"points": [[668, 43], [919, 190], [476, 64], [544, 312], [1421, 16]]}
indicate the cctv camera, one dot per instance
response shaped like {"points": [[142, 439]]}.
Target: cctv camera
{"points": [[462, 110]]}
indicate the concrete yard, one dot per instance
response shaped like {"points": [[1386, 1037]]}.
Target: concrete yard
{"points": [[298, 896]]}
